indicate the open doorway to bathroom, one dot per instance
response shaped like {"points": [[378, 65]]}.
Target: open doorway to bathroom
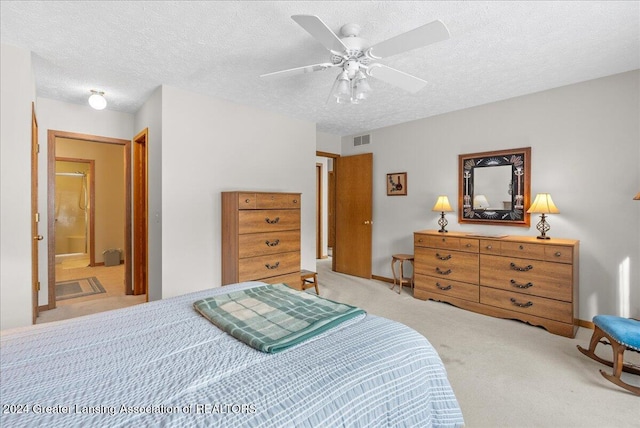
{"points": [[74, 221], [88, 227]]}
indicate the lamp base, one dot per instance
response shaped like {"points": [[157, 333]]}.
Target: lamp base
{"points": [[442, 223], [543, 227]]}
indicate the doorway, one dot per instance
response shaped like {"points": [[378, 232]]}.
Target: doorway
{"points": [[109, 204], [74, 221]]}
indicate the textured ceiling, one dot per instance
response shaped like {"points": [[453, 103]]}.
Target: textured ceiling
{"points": [[497, 50]]}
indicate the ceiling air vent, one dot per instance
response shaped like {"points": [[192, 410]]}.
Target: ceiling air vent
{"points": [[361, 140]]}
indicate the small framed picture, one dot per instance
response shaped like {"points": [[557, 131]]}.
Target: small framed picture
{"points": [[397, 184]]}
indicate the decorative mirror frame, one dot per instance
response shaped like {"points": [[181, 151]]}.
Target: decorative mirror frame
{"points": [[520, 162]]}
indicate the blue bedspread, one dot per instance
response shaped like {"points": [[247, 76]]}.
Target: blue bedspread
{"points": [[162, 364]]}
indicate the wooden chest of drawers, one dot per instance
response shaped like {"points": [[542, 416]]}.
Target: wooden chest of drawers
{"points": [[514, 277], [261, 237]]}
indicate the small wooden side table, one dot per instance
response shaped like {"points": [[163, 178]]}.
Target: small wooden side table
{"points": [[309, 279], [401, 280]]}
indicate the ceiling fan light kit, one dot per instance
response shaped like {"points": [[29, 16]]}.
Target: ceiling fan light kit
{"points": [[358, 60]]}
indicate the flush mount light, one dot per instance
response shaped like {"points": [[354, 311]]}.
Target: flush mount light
{"points": [[97, 100]]}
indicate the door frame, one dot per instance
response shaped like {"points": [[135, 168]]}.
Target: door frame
{"points": [[35, 215], [330, 196], [141, 213], [319, 207], [52, 135]]}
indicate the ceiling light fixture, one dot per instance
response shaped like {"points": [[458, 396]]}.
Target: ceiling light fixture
{"points": [[97, 100]]}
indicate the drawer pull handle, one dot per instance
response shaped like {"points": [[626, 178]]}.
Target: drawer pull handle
{"points": [[441, 272], [527, 285], [272, 244], [520, 305], [447, 288], [489, 247], [447, 257], [521, 269], [295, 201], [420, 240], [468, 245], [274, 221], [558, 254], [246, 201], [271, 267], [521, 247]]}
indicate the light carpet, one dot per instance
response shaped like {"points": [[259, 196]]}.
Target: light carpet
{"points": [[504, 373]]}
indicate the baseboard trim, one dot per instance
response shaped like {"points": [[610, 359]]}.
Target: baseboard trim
{"points": [[382, 278], [585, 324], [43, 308]]}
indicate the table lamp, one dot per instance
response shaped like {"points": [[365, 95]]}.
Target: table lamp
{"points": [[543, 204], [442, 205]]}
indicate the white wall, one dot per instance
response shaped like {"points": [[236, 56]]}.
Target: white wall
{"points": [[81, 119], [150, 116], [17, 93], [328, 143], [209, 146], [585, 143]]}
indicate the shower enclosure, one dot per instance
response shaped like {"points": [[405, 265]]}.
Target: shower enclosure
{"points": [[72, 208]]}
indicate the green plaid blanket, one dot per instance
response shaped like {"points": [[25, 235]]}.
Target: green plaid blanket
{"points": [[272, 318]]}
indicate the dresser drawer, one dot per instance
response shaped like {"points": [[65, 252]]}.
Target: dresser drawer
{"points": [[558, 253], [454, 243], [490, 247], [256, 244], [255, 221], [446, 264], [246, 201], [523, 250], [534, 277], [460, 290], [420, 240], [532, 305], [278, 200], [257, 268]]}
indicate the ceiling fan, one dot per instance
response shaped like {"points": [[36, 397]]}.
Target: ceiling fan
{"points": [[358, 60]]}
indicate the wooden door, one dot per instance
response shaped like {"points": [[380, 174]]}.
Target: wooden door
{"points": [[35, 215], [331, 218], [140, 214], [353, 215]]}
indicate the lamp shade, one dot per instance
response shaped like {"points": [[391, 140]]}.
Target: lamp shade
{"points": [[543, 204], [480, 202], [97, 100], [442, 205]]}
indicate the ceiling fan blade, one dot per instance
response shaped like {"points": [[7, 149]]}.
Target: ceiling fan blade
{"points": [[429, 33], [301, 70], [318, 29], [396, 77]]}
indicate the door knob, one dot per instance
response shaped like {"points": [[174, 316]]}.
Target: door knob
{"points": [[368, 222], [38, 238]]}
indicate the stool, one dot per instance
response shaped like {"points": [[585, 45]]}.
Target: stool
{"points": [[401, 280], [309, 279], [622, 334]]}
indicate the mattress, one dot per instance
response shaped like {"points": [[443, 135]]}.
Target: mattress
{"points": [[162, 364]]}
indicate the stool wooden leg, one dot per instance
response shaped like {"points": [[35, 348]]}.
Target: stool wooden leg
{"points": [[393, 270], [315, 283], [401, 276]]}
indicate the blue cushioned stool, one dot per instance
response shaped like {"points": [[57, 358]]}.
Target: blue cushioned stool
{"points": [[622, 334]]}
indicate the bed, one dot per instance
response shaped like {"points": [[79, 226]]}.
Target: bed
{"points": [[163, 364]]}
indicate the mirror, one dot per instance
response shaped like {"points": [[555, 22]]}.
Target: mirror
{"points": [[494, 187]]}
